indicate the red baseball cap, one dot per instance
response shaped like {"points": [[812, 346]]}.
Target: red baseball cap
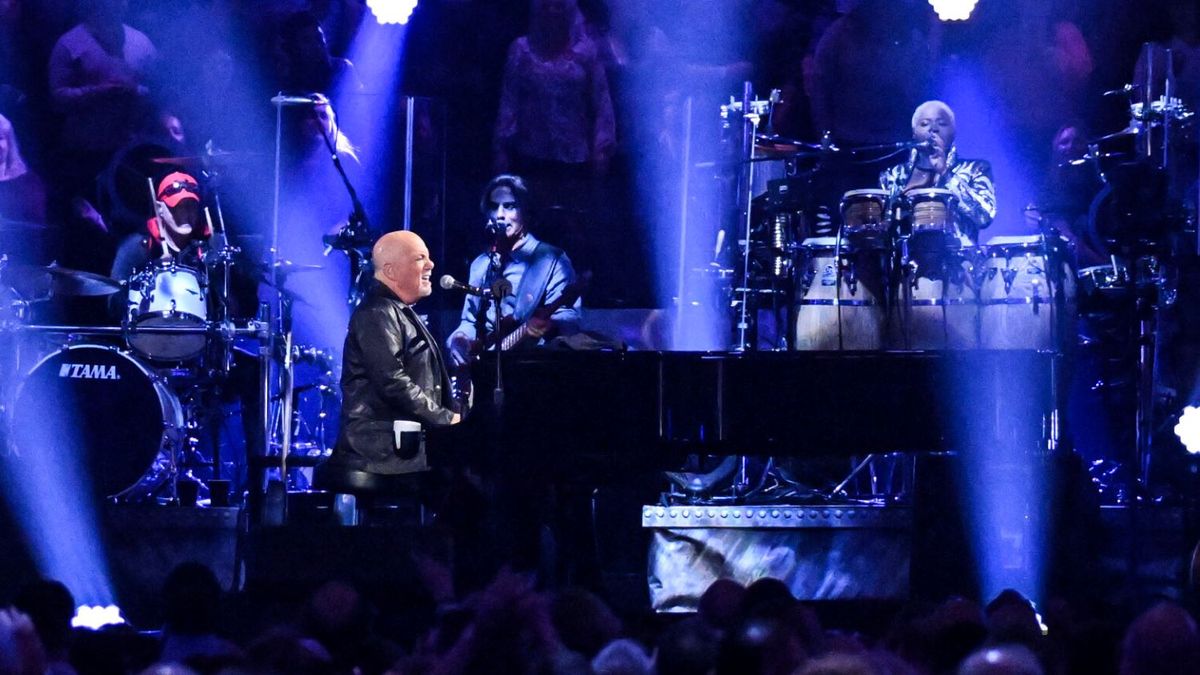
{"points": [[176, 187]]}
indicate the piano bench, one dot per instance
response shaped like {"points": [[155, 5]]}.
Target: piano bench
{"points": [[362, 497]]}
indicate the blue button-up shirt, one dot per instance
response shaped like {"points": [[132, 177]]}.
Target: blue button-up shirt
{"points": [[514, 268]]}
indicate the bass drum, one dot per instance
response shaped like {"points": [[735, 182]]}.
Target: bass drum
{"points": [[94, 417]]}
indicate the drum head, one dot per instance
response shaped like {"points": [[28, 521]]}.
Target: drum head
{"points": [[167, 295], [1014, 245], [91, 416], [929, 194]]}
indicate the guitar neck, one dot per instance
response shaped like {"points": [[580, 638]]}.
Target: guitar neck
{"points": [[514, 338], [521, 332]]}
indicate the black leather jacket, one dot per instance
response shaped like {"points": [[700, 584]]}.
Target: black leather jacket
{"points": [[392, 369]]}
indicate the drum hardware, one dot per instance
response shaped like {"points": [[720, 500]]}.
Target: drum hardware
{"points": [[750, 118], [253, 328], [881, 470], [734, 479]]}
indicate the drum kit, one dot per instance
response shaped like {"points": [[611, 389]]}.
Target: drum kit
{"points": [[879, 270], [876, 270], [895, 273], [131, 411], [870, 288]]}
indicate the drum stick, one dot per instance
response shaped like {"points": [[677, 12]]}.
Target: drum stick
{"points": [[208, 217], [153, 194]]}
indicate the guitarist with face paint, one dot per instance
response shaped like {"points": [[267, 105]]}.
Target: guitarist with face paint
{"points": [[533, 283]]}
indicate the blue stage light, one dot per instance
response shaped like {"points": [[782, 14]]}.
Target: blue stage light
{"points": [[392, 11], [952, 10], [1188, 429], [97, 616]]}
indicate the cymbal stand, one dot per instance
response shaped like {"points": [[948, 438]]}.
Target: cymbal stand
{"points": [[221, 257], [286, 385], [1146, 313], [750, 124], [268, 346]]}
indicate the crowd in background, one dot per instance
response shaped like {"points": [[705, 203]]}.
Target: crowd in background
{"points": [[512, 627]]}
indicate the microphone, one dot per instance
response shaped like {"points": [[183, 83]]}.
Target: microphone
{"points": [[493, 227], [927, 146], [293, 100], [449, 283]]}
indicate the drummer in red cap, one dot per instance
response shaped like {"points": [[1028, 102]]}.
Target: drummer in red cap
{"points": [[177, 229]]}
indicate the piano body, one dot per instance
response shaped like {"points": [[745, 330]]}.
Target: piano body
{"points": [[612, 411]]}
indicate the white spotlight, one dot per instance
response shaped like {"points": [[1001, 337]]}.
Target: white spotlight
{"points": [[1188, 429], [392, 11], [951, 10], [95, 616]]}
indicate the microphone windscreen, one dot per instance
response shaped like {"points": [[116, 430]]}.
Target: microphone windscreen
{"points": [[447, 282]]}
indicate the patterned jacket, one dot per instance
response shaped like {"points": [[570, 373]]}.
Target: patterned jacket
{"points": [[969, 180]]}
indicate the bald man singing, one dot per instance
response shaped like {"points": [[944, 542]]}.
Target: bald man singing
{"points": [[392, 367]]}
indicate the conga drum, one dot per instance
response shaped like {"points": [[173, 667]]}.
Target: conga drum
{"points": [[864, 217], [1021, 293], [841, 296]]}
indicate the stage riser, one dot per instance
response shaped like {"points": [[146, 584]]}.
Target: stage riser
{"points": [[844, 553]]}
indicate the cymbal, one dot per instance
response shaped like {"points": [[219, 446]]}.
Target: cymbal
{"points": [[289, 267], [1127, 132], [219, 157], [32, 280], [21, 226], [285, 268], [784, 142]]}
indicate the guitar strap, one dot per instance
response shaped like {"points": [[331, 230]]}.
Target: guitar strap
{"points": [[534, 283]]}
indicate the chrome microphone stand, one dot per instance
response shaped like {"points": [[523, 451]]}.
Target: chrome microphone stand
{"points": [[282, 329]]}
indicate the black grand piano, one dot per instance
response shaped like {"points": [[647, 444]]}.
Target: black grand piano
{"points": [[608, 412]]}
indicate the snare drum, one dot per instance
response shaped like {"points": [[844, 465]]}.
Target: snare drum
{"points": [[1017, 294], [100, 420], [841, 296], [864, 215], [166, 294]]}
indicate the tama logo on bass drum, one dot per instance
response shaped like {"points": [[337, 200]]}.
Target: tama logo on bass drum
{"points": [[88, 371]]}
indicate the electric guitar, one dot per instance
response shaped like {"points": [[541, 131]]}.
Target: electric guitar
{"points": [[512, 334]]}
